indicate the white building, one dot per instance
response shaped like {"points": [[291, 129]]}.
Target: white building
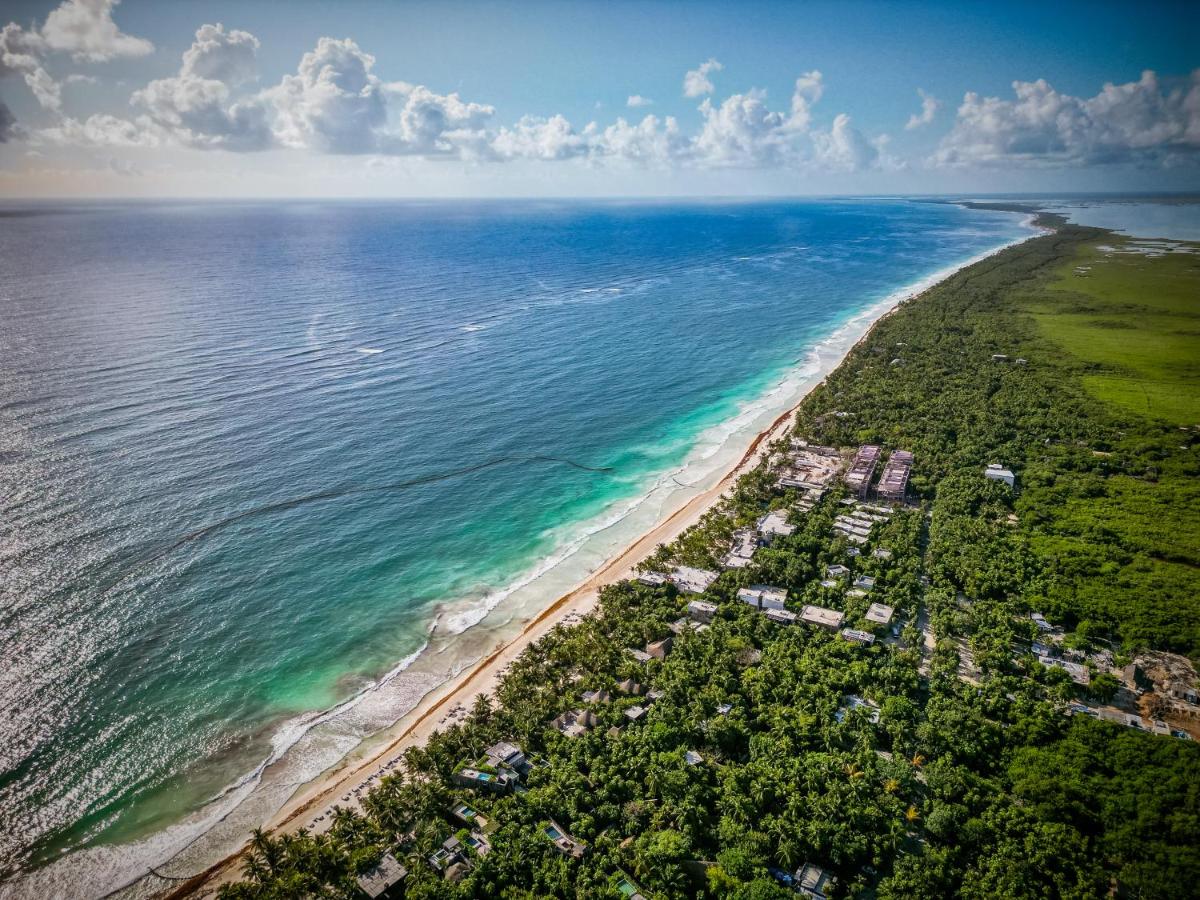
{"points": [[693, 581], [775, 524], [997, 472], [879, 613], [763, 596]]}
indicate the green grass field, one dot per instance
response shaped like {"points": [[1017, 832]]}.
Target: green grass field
{"points": [[1135, 321]]}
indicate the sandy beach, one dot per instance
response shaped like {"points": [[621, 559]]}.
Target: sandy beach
{"points": [[342, 785]]}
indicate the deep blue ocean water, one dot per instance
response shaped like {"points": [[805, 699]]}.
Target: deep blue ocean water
{"points": [[249, 453]]}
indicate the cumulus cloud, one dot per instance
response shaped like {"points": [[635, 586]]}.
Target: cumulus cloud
{"points": [[637, 101], [21, 54], [741, 131], [844, 148], [195, 106], [649, 142], [540, 138], [744, 132], [809, 88], [83, 28], [86, 30], [100, 130], [696, 82], [929, 107], [1138, 122], [336, 104]]}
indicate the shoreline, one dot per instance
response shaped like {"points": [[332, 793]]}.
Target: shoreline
{"points": [[351, 775]]}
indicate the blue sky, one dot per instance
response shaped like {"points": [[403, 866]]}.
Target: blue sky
{"points": [[524, 98]]}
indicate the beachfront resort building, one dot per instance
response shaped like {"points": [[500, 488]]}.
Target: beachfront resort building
{"points": [[494, 782], [692, 581], [862, 469], [855, 636], [701, 611], [775, 524], [997, 472], [893, 483], [810, 468], [763, 596], [384, 879], [822, 617], [745, 545], [505, 755]]}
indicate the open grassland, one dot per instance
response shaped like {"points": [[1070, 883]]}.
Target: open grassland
{"points": [[1135, 320]]}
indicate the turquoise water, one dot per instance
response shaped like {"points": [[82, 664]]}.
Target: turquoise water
{"points": [[257, 455]]}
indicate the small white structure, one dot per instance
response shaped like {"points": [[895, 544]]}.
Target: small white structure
{"points": [[780, 616], [836, 571], [853, 701], [693, 581], [652, 579], [879, 613], [775, 524], [692, 758], [997, 472], [813, 881], [864, 582], [701, 610], [854, 636], [763, 596], [1040, 621], [1079, 674], [825, 618]]}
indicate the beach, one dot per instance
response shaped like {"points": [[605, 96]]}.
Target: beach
{"points": [[310, 807]]}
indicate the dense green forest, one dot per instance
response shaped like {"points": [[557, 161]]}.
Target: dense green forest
{"points": [[772, 746]]}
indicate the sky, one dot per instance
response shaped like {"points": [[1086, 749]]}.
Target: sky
{"points": [[262, 98]]}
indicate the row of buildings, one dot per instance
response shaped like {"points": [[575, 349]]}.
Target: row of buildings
{"points": [[893, 482]]}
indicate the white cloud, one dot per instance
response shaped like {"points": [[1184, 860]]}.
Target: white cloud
{"points": [[696, 82], [333, 103], [809, 88], [649, 142], [20, 54], [1134, 122], [336, 104], [432, 124], [539, 138], [844, 148], [100, 130], [86, 30], [636, 101], [742, 131], [929, 107], [195, 106], [78, 78]]}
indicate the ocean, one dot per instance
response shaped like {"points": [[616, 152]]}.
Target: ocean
{"points": [[272, 471]]}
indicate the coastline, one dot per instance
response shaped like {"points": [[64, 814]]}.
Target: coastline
{"points": [[356, 770]]}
